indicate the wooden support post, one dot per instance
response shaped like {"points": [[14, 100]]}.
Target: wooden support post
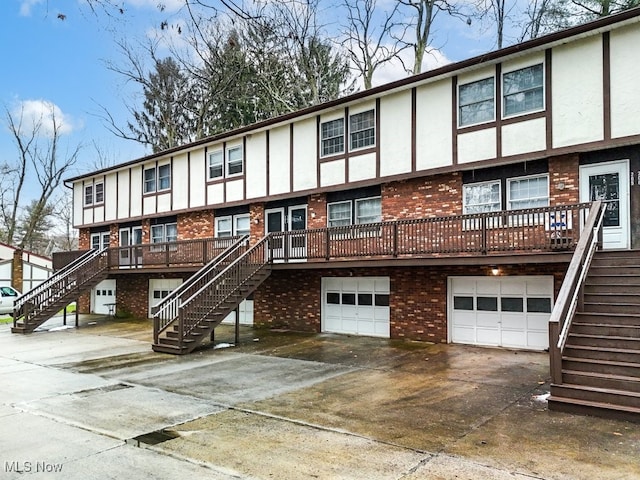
{"points": [[213, 335], [77, 312], [237, 325]]}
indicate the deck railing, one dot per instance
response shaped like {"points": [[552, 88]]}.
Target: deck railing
{"points": [[528, 230]]}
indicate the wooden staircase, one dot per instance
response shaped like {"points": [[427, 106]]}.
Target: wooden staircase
{"points": [[189, 316], [42, 302], [601, 356]]}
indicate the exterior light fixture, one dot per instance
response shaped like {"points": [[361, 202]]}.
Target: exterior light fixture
{"points": [[495, 270]]}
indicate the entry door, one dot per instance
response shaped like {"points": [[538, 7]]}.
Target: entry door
{"points": [[609, 182], [275, 223], [297, 221], [129, 237]]}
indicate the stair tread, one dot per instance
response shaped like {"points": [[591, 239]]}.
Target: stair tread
{"points": [[588, 388], [601, 375], [603, 337], [602, 349], [588, 403], [600, 361], [588, 324]]}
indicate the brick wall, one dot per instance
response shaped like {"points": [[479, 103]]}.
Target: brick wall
{"points": [[418, 297], [256, 218], [84, 239], [17, 270], [132, 292], [317, 216], [564, 182], [434, 196], [194, 225]]}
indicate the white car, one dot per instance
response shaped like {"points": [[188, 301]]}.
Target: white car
{"points": [[8, 295]]}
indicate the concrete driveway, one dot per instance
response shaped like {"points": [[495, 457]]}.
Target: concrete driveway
{"points": [[96, 402]]}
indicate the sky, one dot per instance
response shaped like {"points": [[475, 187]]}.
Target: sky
{"points": [[55, 55]]}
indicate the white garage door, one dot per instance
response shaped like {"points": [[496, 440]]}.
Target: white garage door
{"points": [[356, 305], [103, 297], [160, 288], [505, 311]]}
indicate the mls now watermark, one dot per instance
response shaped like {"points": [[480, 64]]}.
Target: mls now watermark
{"points": [[32, 467]]}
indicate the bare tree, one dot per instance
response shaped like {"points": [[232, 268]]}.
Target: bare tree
{"points": [[370, 44], [421, 19], [496, 13], [32, 180]]}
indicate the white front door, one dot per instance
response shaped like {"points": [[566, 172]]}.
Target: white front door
{"points": [[274, 222], [609, 182], [297, 221]]}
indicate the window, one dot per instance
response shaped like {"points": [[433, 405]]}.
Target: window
{"points": [[88, 195], [339, 214], [99, 193], [368, 210], [332, 135], [94, 194], [476, 102], [99, 240], [150, 180], [215, 164], [234, 160], [462, 303], [233, 225], [481, 197], [163, 176], [528, 192], [522, 90], [362, 131], [167, 232]]}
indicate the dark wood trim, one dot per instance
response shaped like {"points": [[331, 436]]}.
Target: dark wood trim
{"points": [[206, 174], [451, 69], [355, 153], [454, 120], [189, 178], [290, 157], [606, 84], [142, 190], [268, 159], [173, 183], [414, 107], [441, 260], [244, 168], [224, 171], [117, 193], [378, 138], [318, 160], [347, 144], [130, 197], [498, 107], [523, 118], [548, 103]]}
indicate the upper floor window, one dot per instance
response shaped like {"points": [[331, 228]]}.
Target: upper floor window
{"points": [[332, 137], [157, 178], [233, 225], [362, 131], [234, 160], [528, 192], [481, 197], [99, 240], [94, 194], [523, 90], [476, 102], [363, 210], [215, 164], [167, 232]]}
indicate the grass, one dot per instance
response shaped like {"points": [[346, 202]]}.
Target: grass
{"points": [[4, 319]]}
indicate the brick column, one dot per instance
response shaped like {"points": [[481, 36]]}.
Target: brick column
{"points": [[17, 270], [256, 217]]}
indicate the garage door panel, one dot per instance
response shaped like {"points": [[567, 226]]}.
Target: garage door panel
{"points": [[494, 310], [487, 336], [356, 305]]}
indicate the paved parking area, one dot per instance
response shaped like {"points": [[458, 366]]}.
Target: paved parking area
{"points": [[96, 402]]}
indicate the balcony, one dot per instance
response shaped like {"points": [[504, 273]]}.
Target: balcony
{"points": [[484, 236]]}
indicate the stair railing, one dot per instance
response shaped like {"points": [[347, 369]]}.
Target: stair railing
{"points": [[567, 301], [56, 286], [166, 312], [222, 287]]}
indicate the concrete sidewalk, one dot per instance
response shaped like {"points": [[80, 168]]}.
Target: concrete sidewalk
{"points": [[96, 402]]}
